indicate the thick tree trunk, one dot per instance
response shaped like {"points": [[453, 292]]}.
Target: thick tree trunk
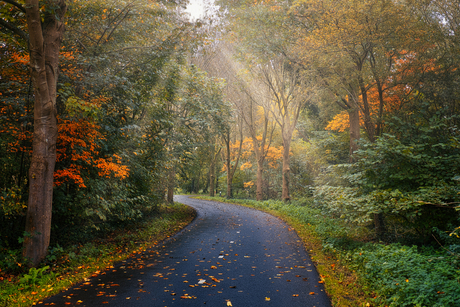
{"points": [[44, 44], [286, 170], [212, 176], [379, 128], [229, 168], [369, 125], [217, 185], [229, 186], [171, 185], [212, 173], [353, 115], [260, 180]]}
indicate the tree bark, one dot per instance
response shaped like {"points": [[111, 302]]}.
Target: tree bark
{"points": [[212, 178], [231, 170], [286, 170], [229, 167], [44, 43], [379, 128], [212, 173], [353, 115], [260, 179], [369, 125], [171, 184]]}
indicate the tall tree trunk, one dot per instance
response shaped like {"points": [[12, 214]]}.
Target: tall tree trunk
{"points": [[229, 186], [229, 167], [212, 172], [260, 179], [231, 170], [286, 169], [212, 178], [44, 43], [353, 115], [217, 185], [379, 129], [369, 125], [171, 185], [260, 151]]}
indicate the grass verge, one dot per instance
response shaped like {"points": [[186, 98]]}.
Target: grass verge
{"points": [[73, 264]]}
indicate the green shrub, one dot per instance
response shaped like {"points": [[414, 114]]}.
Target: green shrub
{"points": [[403, 276]]}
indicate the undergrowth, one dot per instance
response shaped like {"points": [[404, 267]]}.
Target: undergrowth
{"points": [[359, 272], [63, 267]]}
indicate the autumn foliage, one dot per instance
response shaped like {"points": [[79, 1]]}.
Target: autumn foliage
{"points": [[273, 158], [78, 151], [396, 90]]}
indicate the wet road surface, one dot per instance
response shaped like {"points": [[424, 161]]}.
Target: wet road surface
{"points": [[228, 256]]}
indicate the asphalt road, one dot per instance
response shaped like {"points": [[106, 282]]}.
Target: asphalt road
{"points": [[228, 256]]}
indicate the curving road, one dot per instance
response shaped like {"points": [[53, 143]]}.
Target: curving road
{"points": [[228, 256]]}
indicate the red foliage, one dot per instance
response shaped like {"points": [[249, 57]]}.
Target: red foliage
{"points": [[77, 148]]}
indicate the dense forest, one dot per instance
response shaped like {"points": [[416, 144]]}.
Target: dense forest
{"points": [[108, 108]]}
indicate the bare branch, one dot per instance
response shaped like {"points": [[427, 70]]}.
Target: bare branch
{"points": [[19, 6], [446, 205], [14, 29]]}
